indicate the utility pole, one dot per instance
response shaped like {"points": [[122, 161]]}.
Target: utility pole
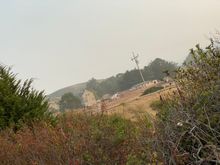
{"points": [[135, 59]]}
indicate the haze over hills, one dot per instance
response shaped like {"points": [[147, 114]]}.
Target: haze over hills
{"points": [[120, 82], [76, 89]]}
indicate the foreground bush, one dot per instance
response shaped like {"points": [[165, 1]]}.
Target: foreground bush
{"points": [[19, 103], [77, 139], [188, 130]]}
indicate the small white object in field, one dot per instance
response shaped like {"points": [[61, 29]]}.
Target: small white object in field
{"points": [[180, 124]]}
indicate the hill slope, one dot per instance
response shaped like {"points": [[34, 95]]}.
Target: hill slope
{"points": [[75, 89], [120, 82]]}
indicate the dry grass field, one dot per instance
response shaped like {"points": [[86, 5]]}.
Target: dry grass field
{"points": [[131, 105], [134, 105]]}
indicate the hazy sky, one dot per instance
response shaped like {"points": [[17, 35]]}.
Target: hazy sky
{"points": [[63, 42]]}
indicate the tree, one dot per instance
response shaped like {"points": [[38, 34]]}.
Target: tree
{"points": [[129, 79], [69, 101], [124, 81], [20, 103], [109, 86], [94, 86], [155, 70]]}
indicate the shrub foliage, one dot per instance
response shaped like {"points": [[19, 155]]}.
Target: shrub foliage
{"points": [[77, 139], [185, 131], [20, 103], [69, 102], [189, 122]]}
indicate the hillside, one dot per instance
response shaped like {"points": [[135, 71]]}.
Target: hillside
{"points": [[120, 82], [75, 89]]}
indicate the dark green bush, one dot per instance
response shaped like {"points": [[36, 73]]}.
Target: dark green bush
{"points": [[69, 102], [20, 103], [152, 90]]}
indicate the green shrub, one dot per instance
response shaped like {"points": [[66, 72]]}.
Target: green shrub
{"points": [[189, 127], [20, 103], [152, 90], [78, 138], [69, 102]]}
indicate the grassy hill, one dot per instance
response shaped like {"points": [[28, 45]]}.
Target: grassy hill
{"points": [[75, 89], [120, 82]]}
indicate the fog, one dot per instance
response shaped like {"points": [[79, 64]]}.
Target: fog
{"points": [[63, 42]]}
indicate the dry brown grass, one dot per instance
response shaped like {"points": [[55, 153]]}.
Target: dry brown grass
{"points": [[134, 105]]}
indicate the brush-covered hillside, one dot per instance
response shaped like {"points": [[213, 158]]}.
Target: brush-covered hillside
{"points": [[75, 89], [122, 81]]}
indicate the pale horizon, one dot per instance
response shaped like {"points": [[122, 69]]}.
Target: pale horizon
{"points": [[61, 43]]}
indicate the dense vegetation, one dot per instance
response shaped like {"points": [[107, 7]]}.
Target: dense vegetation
{"points": [[189, 121], [77, 139], [185, 131], [20, 103], [154, 71], [69, 101]]}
